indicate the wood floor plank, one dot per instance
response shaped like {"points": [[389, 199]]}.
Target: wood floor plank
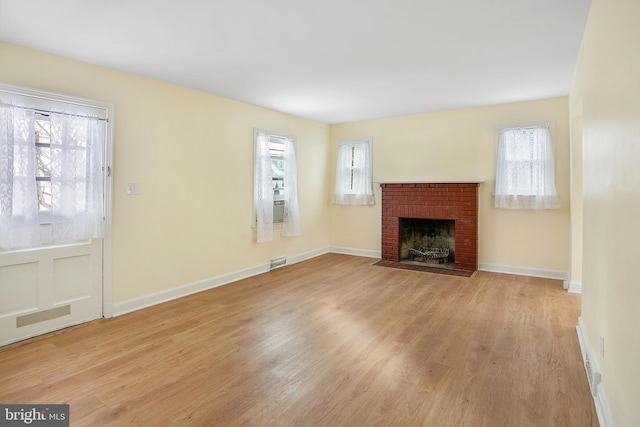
{"points": [[333, 341]]}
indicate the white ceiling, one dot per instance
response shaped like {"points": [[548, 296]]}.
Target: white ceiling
{"points": [[332, 60]]}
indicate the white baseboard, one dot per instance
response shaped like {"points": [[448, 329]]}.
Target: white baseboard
{"points": [[524, 271], [357, 252], [582, 338], [144, 301], [602, 408], [307, 255], [575, 287], [184, 290], [600, 399]]}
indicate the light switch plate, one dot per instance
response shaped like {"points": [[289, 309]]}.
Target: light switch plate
{"points": [[132, 189]]}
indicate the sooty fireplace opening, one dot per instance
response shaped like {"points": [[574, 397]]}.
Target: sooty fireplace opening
{"points": [[428, 242]]}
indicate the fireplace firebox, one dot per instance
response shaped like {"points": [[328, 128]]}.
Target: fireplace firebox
{"points": [[422, 221], [427, 242]]}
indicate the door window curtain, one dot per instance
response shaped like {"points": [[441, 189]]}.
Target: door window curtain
{"points": [[353, 174], [19, 224], [76, 178], [77, 186], [263, 190], [525, 176]]}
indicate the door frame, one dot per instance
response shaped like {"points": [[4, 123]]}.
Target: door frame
{"points": [[40, 99]]}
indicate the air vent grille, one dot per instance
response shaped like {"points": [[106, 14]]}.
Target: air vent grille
{"points": [[278, 262], [593, 372]]}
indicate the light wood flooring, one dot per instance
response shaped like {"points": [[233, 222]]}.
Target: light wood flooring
{"points": [[333, 341]]}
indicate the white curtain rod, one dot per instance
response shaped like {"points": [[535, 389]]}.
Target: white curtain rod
{"points": [[47, 112]]}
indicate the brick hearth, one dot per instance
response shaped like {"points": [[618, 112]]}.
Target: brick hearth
{"points": [[456, 201]]}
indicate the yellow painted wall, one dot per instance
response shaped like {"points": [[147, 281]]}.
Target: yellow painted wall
{"points": [[461, 145], [192, 155], [607, 80], [575, 273]]}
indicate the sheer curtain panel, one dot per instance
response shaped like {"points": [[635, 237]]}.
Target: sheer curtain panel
{"points": [[525, 176], [291, 217], [263, 189], [353, 174], [76, 178], [19, 226], [75, 148]]}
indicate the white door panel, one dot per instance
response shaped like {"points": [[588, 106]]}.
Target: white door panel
{"points": [[49, 288]]}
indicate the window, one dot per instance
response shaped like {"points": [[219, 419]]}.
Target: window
{"points": [[51, 168], [275, 185], [276, 151], [525, 169], [353, 173]]}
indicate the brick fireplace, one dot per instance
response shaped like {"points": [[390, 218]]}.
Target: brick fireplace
{"points": [[457, 201]]}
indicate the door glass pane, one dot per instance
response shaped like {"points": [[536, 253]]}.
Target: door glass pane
{"points": [[43, 162]]}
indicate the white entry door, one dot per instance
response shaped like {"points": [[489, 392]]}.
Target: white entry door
{"points": [[55, 194], [49, 288]]}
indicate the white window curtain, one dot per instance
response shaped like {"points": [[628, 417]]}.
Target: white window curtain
{"points": [[525, 169], [291, 217], [353, 174], [77, 149], [19, 225], [263, 190]]}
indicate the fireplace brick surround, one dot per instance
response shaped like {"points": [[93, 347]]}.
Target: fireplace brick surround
{"points": [[456, 201]]}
